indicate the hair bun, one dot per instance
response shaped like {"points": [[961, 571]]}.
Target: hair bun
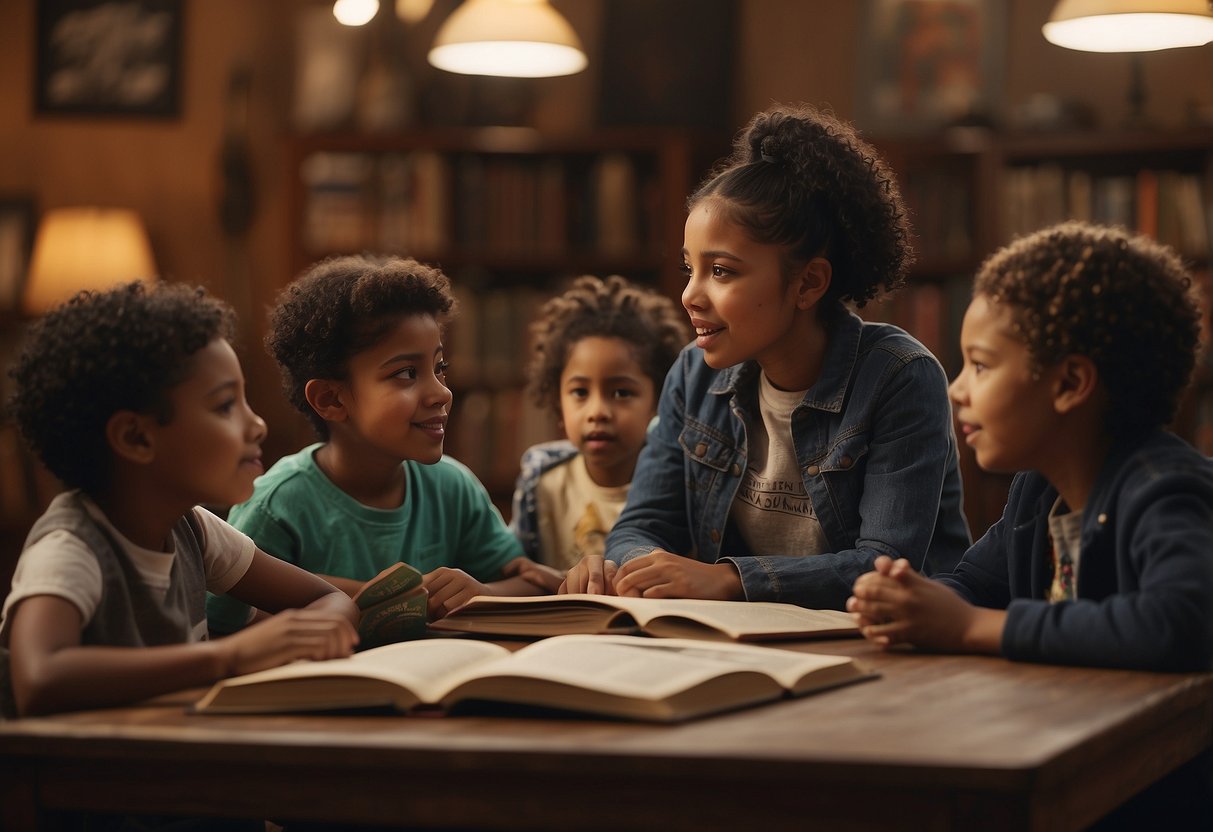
{"points": [[770, 150]]}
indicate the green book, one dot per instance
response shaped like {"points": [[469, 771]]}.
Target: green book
{"points": [[393, 606]]}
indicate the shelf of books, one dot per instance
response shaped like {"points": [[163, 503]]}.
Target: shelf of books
{"points": [[1156, 185], [510, 216]]}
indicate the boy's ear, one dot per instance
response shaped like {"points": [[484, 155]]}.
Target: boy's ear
{"points": [[812, 282], [1075, 380], [324, 395], [128, 435]]}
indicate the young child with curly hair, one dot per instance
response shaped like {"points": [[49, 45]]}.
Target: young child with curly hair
{"points": [[795, 443], [1077, 344], [601, 353], [359, 343], [134, 398]]}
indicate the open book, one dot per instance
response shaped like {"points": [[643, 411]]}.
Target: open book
{"points": [[548, 615], [628, 677], [393, 606]]}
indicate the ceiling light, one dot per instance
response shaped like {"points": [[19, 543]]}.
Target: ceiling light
{"points": [[1129, 25], [512, 38], [355, 12]]}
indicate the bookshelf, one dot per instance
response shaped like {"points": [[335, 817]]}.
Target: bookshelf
{"points": [[509, 215], [971, 190]]}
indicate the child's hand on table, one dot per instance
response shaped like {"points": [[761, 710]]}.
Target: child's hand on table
{"points": [[285, 637], [593, 574]]}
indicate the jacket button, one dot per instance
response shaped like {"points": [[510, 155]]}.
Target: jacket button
{"points": [[715, 535], [701, 449], [1102, 518], [735, 469], [845, 462], [813, 470]]}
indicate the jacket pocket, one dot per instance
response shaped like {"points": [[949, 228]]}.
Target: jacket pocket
{"points": [[709, 454], [843, 455]]}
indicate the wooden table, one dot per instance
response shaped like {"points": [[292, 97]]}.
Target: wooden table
{"points": [[937, 742]]}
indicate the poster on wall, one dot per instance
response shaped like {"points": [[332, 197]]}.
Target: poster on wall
{"points": [[926, 64], [108, 58]]}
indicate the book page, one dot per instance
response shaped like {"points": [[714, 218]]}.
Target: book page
{"points": [[580, 612], [646, 668], [419, 668], [737, 619]]}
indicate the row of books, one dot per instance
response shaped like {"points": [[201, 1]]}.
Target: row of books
{"points": [[1171, 206], [940, 202], [488, 343], [426, 202], [490, 430]]}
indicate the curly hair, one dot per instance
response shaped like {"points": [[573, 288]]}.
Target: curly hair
{"points": [[650, 323], [342, 306], [102, 352], [1126, 302], [801, 179]]}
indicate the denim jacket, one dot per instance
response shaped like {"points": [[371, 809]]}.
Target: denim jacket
{"points": [[524, 516], [1144, 598], [874, 443]]}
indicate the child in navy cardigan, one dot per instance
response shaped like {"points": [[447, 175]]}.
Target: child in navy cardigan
{"points": [[1077, 345]]}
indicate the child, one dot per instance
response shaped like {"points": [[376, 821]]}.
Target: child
{"points": [[602, 350], [135, 399], [796, 443], [359, 344], [1077, 344]]}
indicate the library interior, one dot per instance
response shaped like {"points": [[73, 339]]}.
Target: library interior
{"points": [[240, 142]]}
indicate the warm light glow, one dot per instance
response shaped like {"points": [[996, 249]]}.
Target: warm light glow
{"points": [[513, 38], [85, 248], [1129, 25], [413, 11], [355, 12]]}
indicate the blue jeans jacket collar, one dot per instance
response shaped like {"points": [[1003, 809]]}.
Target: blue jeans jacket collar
{"points": [[830, 391]]}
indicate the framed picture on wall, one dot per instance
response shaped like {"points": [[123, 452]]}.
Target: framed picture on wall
{"points": [[16, 240], [108, 58], [926, 64]]}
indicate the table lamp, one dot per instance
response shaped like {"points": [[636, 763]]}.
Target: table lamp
{"points": [[508, 38], [85, 248]]}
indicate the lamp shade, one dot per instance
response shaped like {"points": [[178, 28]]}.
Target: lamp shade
{"points": [[85, 248], [512, 38], [1129, 25]]}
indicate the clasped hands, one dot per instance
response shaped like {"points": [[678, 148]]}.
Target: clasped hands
{"points": [[893, 605]]}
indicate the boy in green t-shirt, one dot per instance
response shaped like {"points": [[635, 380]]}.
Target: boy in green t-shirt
{"points": [[359, 344]]}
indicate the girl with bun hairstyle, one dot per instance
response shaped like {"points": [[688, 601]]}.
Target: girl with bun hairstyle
{"points": [[796, 443]]}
